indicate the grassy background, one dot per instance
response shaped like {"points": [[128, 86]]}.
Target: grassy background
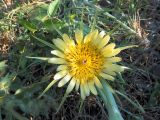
{"points": [[27, 28]]}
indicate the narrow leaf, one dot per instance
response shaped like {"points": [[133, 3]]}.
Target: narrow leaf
{"points": [[133, 103], [28, 25], [44, 42], [47, 88], [16, 114], [53, 7]]}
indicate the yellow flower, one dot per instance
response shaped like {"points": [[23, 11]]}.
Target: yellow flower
{"points": [[85, 61]]}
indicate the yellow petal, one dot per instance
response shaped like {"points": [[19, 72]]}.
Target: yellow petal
{"points": [[92, 37], [77, 84], [109, 51], [97, 82], [104, 41], [64, 80], [102, 33], [107, 65], [113, 59], [79, 36], [97, 38], [115, 67], [62, 67], [60, 75], [83, 95], [108, 48], [66, 38], [88, 37], [57, 61], [71, 85], [86, 89], [113, 53], [59, 44], [68, 41], [118, 68], [57, 53], [108, 71], [92, 87], [106, 76], [126, 47]]}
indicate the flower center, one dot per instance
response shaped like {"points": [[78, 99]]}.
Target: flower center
{"points": [[84, 61]]}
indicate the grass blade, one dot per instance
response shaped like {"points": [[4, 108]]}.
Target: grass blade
{"points": [[133, 103], [44, 42]]}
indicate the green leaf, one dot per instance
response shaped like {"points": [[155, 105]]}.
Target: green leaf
{"points": [[40, 12], [50, 24], [47, 88], [28, 25], [5, 82], [2, 65], [52, 9]]}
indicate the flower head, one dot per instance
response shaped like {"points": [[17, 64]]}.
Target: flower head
{"points": [[83, 62]]}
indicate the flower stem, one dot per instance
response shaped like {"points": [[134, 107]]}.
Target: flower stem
{"points": [[109, 101], [81, 105]]}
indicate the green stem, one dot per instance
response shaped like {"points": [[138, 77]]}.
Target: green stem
{"points": [[81, 23], [110, 16], [62, 102], [109, 101], [57, 30], [44, 42], [94, 21], [121, 23], [81, 105]]}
